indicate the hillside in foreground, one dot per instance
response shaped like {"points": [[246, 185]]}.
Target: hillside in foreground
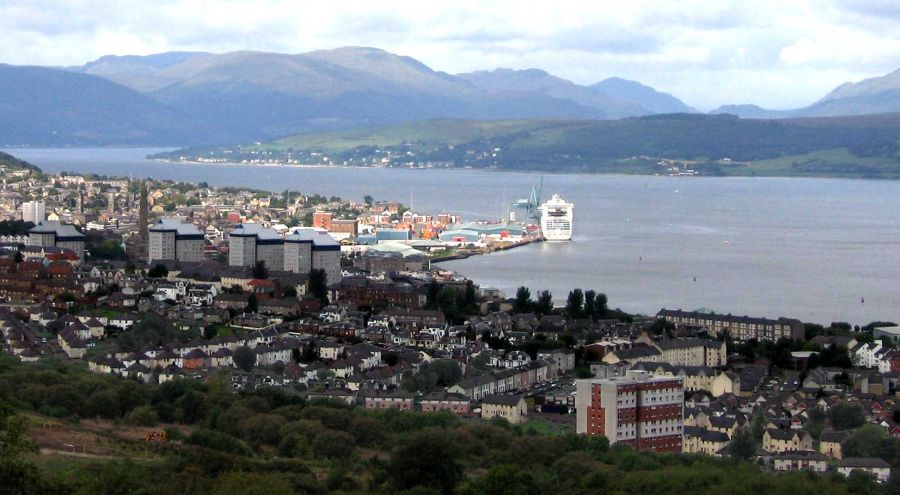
{"points": [[66, 431], [864, 146]]}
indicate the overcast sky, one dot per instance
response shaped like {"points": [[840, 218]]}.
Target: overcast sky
{"points": [[777, 54]]}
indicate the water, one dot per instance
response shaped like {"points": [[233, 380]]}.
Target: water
{"points": [[804, 248]]}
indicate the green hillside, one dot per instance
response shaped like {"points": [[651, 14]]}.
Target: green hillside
{"points": [[13, 163], [65, 431], [706, 144], [428, 133]]}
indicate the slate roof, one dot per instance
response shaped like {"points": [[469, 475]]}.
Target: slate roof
{"points": [[502, 400]]}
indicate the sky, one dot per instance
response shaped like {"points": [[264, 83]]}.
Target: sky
{"points": [[777, 54]]}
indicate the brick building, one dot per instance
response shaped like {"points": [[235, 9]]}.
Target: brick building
{"points": [[638, 409]]}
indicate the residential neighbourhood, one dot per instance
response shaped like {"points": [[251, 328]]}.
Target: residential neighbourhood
{"points": [[219, 285]]}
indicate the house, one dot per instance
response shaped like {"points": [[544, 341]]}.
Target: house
{"points": [[726, 383], [443, 401], [561, 360], [510, 407], [643, 353], [330, 350], [830, 443], [390, 400], [123, 321], [72, 345], [699, 440], [724, 424], [780, 440], [800, 460], [333, 394], [877, 467], [868, 355]]}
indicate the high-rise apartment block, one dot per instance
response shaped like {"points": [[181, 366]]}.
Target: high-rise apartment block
{"points": [[33, 211], [249, 243], [171, 239], [638, 409], [55, 234], [302, 251], [308, 249]]}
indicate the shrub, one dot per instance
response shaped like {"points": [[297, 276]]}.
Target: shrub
{"points": [[142, 416]]}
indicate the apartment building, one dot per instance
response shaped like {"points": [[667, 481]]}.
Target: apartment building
{"points": [[171, 239], [637, 409], [56, 234], [741, 328], [33, 211], [308, 249], [251, 242]]}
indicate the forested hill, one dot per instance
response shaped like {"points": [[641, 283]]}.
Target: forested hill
{"points": [[13, 163], [712, 144]]}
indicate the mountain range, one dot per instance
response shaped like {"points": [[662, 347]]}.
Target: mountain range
{"points": [[189, 98]]}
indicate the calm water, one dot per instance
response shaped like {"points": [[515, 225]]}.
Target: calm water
{"points": [[805, 248]]}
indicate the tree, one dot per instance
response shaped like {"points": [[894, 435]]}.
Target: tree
{"points": [[469, 303], [600, 305], [871, 441], [260, 270], [447, 303], [318, 285], [544, 303], [431, 294], [590, 298], [480, 361], [575, 303], [503, 480], [158, 271], [252, 304], [816, 422], [429, 458], [390, 358], [334, 444], [758, 426], [847, 416], [244, 358], [143, 415], [447, 371], [743, 445], [522, 303]]}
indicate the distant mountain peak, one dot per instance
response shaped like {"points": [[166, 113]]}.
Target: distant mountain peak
{"points": [[866, 87], [641, 95]]}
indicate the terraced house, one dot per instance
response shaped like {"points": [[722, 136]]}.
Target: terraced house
{"points": [[741, 328]]}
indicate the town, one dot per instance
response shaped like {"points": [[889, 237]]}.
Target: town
{"points": [[336, 300]]}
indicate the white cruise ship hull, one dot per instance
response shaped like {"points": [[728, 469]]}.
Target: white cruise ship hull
{"points": [[557, 236], [556, 219]]}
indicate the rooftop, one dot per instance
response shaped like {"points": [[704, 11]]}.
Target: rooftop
{"points": [[169, 224], [54, 227]]}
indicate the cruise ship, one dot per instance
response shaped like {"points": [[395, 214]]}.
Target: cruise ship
{"points": [[556, 219]]}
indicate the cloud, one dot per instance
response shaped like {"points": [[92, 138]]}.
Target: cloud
{"points": [[708, 52]]}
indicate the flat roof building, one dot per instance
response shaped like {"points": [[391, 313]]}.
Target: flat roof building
{"points": [[638, 409], [172, 239], [308, 249], [251, 242], [56, 234]]}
